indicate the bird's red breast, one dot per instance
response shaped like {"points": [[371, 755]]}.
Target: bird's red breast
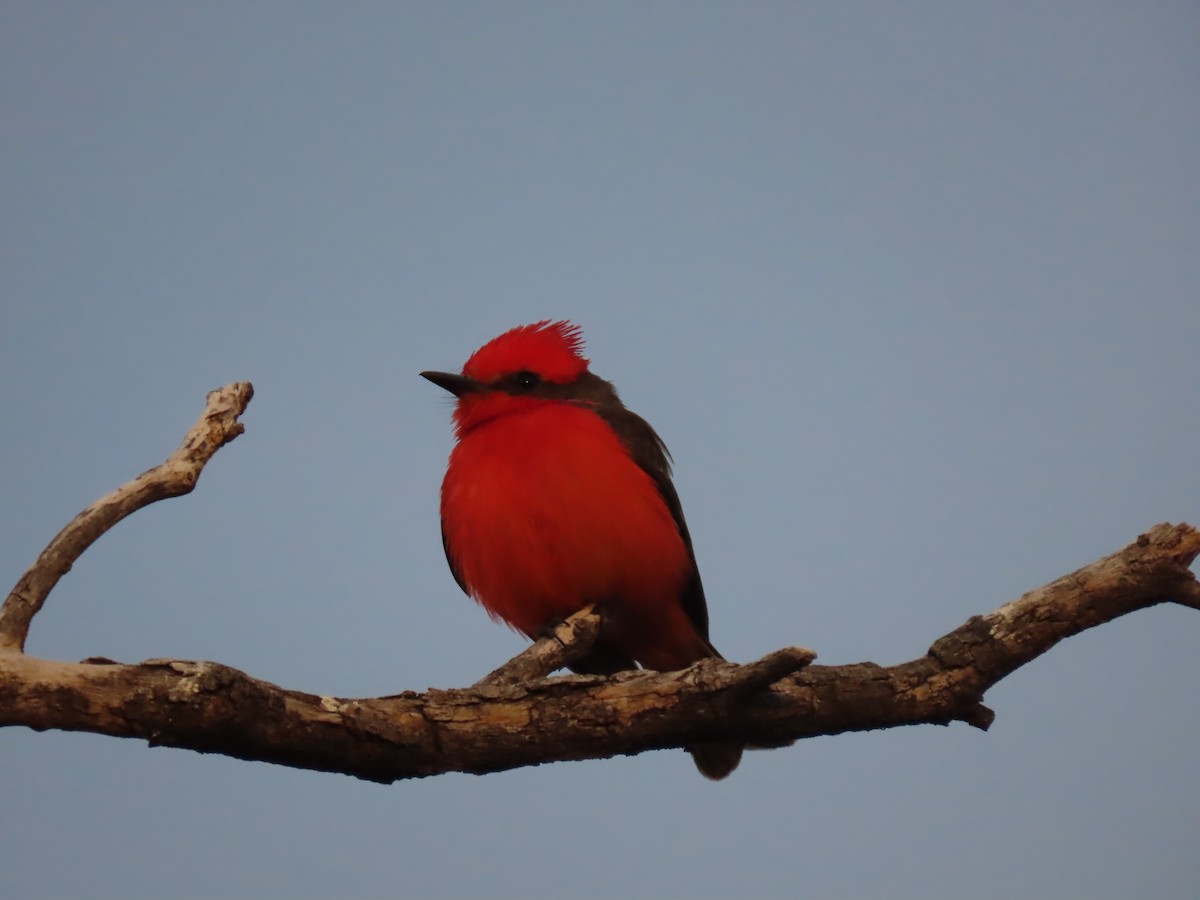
{"points": [[544, 512]]}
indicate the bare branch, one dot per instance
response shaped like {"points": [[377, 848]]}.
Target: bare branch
{"points": [[570, 640], [217, 426], [1151, 570], [518, 717], [212, 708], [1188, 595]]}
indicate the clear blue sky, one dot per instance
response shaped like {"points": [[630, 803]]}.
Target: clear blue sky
{"points": [[910, 290]]}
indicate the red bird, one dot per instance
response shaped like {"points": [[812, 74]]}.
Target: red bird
{"points": [[557, 497]]}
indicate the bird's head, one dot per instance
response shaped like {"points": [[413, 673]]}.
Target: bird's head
{"points": [[526, 365]]}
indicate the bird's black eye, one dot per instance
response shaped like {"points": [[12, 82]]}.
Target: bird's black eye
{"points": [[526, 379]]}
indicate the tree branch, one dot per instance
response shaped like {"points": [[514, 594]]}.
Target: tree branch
{"points": [[570, 640], [216, 427], [516, 716]]}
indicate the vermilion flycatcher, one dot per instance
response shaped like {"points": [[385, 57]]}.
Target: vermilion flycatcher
{"points": [[557, 497]]}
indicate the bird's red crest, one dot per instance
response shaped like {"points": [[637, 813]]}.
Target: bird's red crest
{"points": [[551, 349]]}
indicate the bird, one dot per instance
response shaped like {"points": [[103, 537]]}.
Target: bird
{"points": [[557, 497]]}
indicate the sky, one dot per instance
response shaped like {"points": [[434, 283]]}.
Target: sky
{"points": [[908, 289]]}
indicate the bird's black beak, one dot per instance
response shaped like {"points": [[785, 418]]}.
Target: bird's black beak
{"points": [[455, 384]]}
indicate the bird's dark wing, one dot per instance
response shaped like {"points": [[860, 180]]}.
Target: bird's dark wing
{"points": [[450, 561], [650, 453]]}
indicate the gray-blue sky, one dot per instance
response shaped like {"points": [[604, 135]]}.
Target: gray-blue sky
{"points": [[909, 289]]}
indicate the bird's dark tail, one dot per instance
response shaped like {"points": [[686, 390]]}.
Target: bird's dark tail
{"points": [[716, 760]]}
